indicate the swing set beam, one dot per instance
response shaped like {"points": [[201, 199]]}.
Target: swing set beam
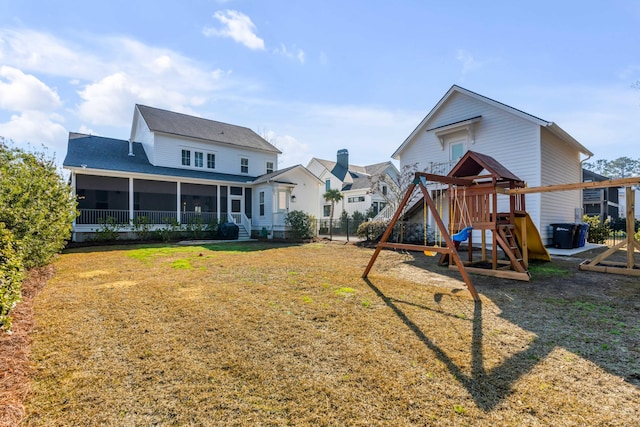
{"points": [[449, 248]]}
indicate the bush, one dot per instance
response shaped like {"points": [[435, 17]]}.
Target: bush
{"points": [[35, 204], [372, 230], [142, 228], [170, 231], [11, 273], [108, 231], [598, 231], [301, 224]]}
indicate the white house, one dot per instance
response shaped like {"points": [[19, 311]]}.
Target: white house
{"points": [[181, 168], [364, 188], [539, 152]]}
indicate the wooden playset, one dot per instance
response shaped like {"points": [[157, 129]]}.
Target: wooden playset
{"points": [[473, 202]]}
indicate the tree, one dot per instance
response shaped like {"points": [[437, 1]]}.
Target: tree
{"points": [[36, 212], [622, 167], [332, 195]]}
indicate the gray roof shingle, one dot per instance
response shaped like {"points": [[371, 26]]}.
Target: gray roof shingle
{"points": [[96, 152], [172, 123]]}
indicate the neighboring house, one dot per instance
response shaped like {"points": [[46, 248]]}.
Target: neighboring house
{"points": [[365, 189], [539, 152], [184, 169], [622, 201], [601, 202]]}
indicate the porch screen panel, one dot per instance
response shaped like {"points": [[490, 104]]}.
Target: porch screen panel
{"points": [[224, 207], [154, 195], [199, 196], [247, 202], [102, 192]]}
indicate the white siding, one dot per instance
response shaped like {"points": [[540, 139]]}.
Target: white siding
{"points": [[143, 135], [306, 192], [511, 140], [560, 165], [169, 149]]}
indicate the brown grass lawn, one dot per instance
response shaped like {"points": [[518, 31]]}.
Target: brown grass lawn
{"points": [[271, 334]]}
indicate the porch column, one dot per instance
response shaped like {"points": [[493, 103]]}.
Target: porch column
{"points": [[178, 198], [74, 194], [131, 200], [218, 201]]}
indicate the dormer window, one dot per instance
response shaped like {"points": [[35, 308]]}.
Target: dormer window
{"points": [[186, 158]]}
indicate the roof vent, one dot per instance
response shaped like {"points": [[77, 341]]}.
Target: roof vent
{"points": [[131, 149]]}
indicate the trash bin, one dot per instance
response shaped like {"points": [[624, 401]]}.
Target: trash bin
{"points": [[228, 231], [564, 235], [584, 232]]}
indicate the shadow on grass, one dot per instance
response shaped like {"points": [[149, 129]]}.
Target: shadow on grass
{"points": [[487, 389]]}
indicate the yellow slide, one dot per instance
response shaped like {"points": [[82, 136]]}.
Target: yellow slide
{"points": [[534, 245]]}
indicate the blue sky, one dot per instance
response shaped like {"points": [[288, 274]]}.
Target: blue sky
{"points": [[317, 76]]}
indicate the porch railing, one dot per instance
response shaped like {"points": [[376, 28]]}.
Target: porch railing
{"points": [[241, 219], [99, 216], [156, 217], [198, 217]]}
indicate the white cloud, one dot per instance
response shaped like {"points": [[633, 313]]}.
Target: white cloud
{"points": [[36, 128], [237, 26], [294, 152], [39, 52], [468, 61], [19, 91], [296, 53]]}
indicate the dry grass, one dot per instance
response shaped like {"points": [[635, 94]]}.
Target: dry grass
{"points": [[258, 334]]}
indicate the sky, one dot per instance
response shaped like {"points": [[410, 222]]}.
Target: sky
{"points": [[312, 76]]}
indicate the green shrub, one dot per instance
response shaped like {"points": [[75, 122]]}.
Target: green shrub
{"points": [[598, 231], [35, 204], [142, 228], [11, 273], [372, 230], [170, 231], [301, 224], [195, 229], [108, 231]]}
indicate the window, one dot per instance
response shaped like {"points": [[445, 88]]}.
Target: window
{"points": [[457, 151], [355, 199], [326, 210], [384, 190], [198, 159], [262, 203], [186, 158], [244, 165], [327, 185], [235, 191], [269, 167], [282, 201], [211, 161]]}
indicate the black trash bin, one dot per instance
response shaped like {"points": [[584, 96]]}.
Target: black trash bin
{"points": [[580, 236], [228, 231], [564, 235]]}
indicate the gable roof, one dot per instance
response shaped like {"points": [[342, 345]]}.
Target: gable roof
{"points": [[278, 176], [99, 153], [171, 123], [472, 163], [551, 126]]}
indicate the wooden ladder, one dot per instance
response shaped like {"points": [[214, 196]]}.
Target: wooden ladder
{"points": [[507, 241]]}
